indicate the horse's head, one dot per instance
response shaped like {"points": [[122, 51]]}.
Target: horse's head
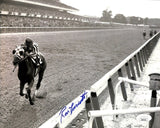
{"points": [[18, 55]]}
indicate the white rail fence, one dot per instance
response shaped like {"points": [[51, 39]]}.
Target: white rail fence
{"points": [[126, 80], [44, 29], [48, 29], [99, 113], [130, 68]]}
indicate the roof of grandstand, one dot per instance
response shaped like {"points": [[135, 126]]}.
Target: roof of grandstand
{"points": [[56, 4]]}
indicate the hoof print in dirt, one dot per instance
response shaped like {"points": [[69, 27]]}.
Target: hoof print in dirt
{"points": [[41, 95], [59, 88]]}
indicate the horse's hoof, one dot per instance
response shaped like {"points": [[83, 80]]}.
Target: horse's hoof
{"points": [[26, 96], [21, 94], [31, 103]]}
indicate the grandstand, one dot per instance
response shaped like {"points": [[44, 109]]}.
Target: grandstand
{"points": [[45, 15], [39, 13]]}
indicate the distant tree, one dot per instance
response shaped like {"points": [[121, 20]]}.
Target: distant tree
{"points": [[145, 21], [140, 20], [135, 20], [106, 16], [120, 18]]}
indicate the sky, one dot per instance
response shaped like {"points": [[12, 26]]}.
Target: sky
{"points": [[140, 8]]}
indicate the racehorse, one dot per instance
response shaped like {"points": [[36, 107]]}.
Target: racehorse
{"points": [[151, 33], [27, 71], [144, 34]]}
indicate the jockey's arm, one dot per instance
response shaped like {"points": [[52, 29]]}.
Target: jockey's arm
{"points": [[32, 51], [35, 50]]}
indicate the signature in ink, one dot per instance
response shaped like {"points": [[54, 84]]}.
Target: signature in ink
{"points": [[65, 111]]}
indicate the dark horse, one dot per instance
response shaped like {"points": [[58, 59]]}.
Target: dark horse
{"points": [[144, 34], [27, 71]]}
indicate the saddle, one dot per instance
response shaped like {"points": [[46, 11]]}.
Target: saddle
{"points": [[37, 61]]}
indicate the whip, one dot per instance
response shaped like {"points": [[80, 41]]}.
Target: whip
{"points": [[14, 68]]}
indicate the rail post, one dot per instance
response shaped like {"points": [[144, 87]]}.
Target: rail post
{"points": [[144, 52], [153, 104], [142, 58], [94, 105], [89, 108], [132, 69], [153, 43], [136, 64], [124, 93], [147, 51], [154, 85], [111, 92], [129, 75], [157, 117], [140, 61], [149, 48]]}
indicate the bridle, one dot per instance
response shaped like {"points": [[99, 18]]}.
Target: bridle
{"points": [[19, 61], [19, 53]]}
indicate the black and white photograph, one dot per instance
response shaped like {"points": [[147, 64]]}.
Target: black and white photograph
{"points": [[79, 63]]}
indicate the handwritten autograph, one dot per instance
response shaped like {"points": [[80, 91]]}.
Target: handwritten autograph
{"points": [[65, 111]]}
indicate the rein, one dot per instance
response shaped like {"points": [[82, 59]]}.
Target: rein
{"points": [[22, 59], [19, 62]]}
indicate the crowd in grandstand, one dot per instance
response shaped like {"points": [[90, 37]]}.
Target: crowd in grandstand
{"points": [[25, 15]]}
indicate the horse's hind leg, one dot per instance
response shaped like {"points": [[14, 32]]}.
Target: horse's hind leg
{"points": [[40, 77], [29, 96]]}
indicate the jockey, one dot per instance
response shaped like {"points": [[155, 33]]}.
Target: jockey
{"points": [[31, 48]]}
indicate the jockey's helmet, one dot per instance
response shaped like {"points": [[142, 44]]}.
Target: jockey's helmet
{"points": [[28, 42]]}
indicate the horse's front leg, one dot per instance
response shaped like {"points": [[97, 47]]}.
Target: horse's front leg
{"points": [[21, 88], [30, 84]]}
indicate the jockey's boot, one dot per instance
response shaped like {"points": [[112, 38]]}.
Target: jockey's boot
{"points": [[38, 61]]}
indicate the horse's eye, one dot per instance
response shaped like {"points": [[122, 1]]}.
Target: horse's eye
{"points": [[14, 51], [21, 52]]}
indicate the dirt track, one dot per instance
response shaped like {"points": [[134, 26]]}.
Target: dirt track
{"points": [[75, 61]]}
